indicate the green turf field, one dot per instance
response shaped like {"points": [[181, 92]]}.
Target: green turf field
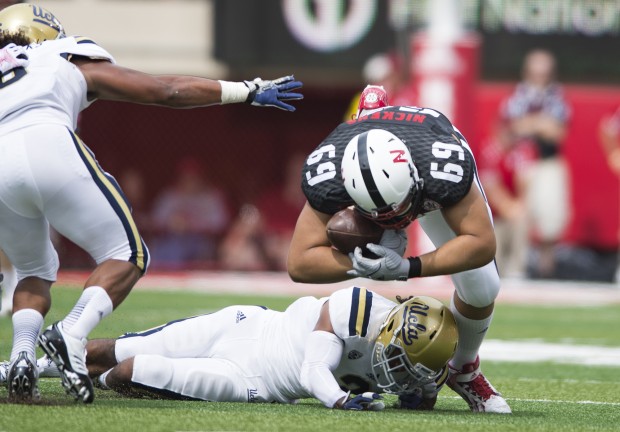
{"points": [[543, 396]]}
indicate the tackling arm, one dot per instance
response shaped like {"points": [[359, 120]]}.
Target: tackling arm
{"points": [[322, 356], [311, 257], [112, 82]]}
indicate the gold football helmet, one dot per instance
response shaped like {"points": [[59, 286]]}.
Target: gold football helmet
{"points": [[414, 344], [36, 23]]}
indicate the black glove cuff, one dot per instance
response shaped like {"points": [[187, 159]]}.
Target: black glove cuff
{"points": [[415, 267], [252, 91]]}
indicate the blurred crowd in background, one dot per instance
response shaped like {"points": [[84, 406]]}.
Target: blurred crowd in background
{"points": [[231, 200]]}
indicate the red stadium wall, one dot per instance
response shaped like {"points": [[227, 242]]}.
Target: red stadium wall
{"points": [[245, 148], [594, 188]]}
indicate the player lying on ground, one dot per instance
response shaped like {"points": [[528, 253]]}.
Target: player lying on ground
{"points": [[354, 341]]}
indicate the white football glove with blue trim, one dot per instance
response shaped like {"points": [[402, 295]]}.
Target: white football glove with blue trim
{"points": [[272, 93]]}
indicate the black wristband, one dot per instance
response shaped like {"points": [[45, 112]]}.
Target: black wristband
{"points": [[415, 267]]}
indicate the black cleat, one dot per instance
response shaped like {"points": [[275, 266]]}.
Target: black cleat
{"points": [[22, 380]]}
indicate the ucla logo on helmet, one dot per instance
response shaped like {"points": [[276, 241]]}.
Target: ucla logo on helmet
{"points": [[45, 17], [411, 325]]}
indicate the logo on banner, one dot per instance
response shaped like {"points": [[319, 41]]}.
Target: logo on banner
{"points": [[329, 25]]}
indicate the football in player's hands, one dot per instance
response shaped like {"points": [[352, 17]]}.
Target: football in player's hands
{"points": [[348, 229]]}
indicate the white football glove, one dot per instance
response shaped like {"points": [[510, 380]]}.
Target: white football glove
{"points": [[272, 93], [388, 266], [395, 240], [13, 56]]}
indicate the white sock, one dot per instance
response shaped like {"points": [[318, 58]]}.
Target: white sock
{"points": [[101, 378], [27, 324], [93, 305], [471, 335]]}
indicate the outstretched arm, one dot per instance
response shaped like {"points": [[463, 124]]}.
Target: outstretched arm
{"points": [[112, 82]]}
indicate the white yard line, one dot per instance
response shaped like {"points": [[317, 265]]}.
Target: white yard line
{"points": [[548, 401], [536, 351]]}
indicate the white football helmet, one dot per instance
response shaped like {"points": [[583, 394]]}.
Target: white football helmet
{"points": [[380, 176], [414, 345], [36, 23]]}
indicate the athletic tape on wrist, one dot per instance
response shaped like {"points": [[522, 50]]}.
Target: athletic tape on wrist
{"points": [[234, 92]]}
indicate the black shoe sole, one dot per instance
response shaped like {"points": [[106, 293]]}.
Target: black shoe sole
{"points": [[22, 385]]}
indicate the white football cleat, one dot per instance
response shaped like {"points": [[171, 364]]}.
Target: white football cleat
{"points": [[47, 368], [69, 354], [470, 383]]}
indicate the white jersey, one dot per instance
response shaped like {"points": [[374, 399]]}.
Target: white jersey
{"points": [[49, 176], [50, 89], [249, 354], [356, 316]]}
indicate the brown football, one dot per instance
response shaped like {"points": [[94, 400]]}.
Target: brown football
{"points": [[348, 229]]}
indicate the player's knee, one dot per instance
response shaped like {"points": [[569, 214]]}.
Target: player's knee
{"points": [[480, 287]]}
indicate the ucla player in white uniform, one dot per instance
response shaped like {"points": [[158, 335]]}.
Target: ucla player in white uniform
{"points": [[354, 341], [49, 177]]}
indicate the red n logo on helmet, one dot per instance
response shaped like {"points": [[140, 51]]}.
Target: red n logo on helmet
{"points": [[399, 156]]}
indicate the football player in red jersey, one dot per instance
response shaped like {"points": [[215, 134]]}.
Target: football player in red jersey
{"points": [[396, 164], [51, 178]]}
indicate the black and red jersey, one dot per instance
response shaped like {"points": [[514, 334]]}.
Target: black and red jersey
{"points": [[440, 153]]}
